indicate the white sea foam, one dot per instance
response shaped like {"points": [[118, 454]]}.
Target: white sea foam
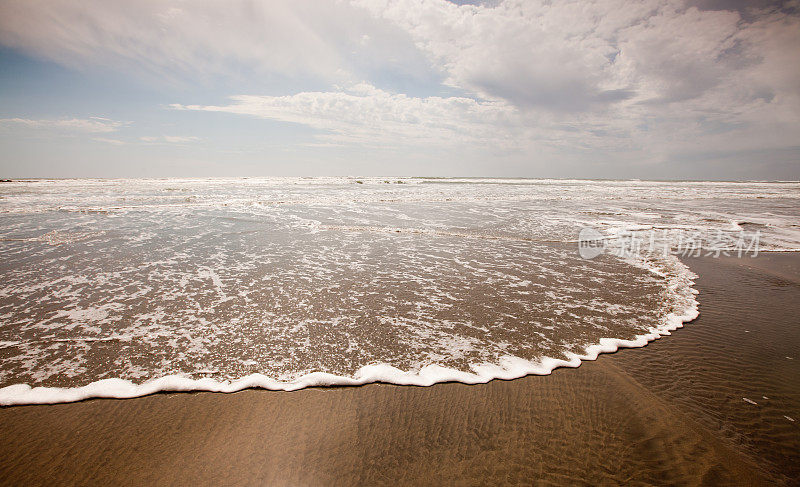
{"points": [[508, 367]]}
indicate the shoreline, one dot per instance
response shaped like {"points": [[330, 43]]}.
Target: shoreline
{"points": [[656, 414], [509, 368]]}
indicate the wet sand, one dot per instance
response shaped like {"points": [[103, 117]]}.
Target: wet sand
{"points": [[670, 413]]}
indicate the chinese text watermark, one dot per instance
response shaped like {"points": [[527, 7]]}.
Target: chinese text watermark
{"points": [[681, 242]]}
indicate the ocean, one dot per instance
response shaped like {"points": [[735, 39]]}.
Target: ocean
{"points": [[121, 288]]}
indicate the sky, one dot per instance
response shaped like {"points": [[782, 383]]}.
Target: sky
{"points": [[614, 89]]}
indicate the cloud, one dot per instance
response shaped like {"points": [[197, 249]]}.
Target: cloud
{"points": [[170, 139], [327, 42], [568, 57], [529, 54], [656, 78], [574, 56], [366, 115], [109, 140], [89, 125], [648, 80]]}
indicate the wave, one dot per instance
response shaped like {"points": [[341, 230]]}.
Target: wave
{"points": [[680, 281]]}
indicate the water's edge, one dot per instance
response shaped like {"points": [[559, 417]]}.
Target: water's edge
{"points": [[509, 367]]}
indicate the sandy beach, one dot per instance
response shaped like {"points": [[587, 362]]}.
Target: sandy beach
{"points": [[674, 412]]}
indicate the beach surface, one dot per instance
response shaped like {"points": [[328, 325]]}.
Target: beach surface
{"points": [[715, 403]]}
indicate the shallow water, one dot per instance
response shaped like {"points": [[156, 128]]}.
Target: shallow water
{"points": [[220, 279]]}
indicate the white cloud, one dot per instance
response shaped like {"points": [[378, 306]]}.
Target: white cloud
{"points": [[171, 139], [571, 55], [366, 115], [326, 41], [653, 76], [89, 125], [177, 139], [645, 80], [108, 140], [650, 78]]}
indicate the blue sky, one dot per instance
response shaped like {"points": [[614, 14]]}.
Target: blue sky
{"points": [[592, 89]]}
